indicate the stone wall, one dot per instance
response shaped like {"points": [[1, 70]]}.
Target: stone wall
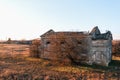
{"points": [[86, 47], [59, 46], [101, 52]]}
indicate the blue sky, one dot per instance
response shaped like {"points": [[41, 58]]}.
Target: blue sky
{"points": [[28, 19]]}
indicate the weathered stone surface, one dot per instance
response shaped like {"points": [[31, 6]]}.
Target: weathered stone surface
{"points": [[92, 47], [101, 47]]}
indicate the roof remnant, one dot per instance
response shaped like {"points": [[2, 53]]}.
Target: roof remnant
{"points": [[47, 33], [95, 30], [96, 34]]}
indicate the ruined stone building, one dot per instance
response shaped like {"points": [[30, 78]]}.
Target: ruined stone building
{"points": [[86, 47], [101, 51]]}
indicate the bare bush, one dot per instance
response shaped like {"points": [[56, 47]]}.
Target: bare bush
{"points": [[35, 48], [66, 49], [116, 49], [9, 41]]}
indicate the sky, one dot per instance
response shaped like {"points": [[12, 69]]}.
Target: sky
{"points": [[28, 19]]}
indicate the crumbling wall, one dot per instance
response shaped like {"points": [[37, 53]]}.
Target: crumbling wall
{"points": [[101, 52], [62, 46], [92, 47]]}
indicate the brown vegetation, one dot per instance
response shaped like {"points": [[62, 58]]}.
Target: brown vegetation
{"points": [[116, 48], [15, 64], [35, 48]]}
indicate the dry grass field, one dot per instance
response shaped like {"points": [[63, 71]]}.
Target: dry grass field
{"points": [[15, 64]]}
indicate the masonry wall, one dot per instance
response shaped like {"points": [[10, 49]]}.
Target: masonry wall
{"points": [[101, 52], [58, 46], [86, 47]]}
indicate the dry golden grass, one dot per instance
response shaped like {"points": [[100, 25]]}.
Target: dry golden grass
{"points": [[14, 49], [15, 64], [116, 58]]}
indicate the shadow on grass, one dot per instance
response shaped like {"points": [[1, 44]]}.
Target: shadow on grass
{"points": [[114, 65]]}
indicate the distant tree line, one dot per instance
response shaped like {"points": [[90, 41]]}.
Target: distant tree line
{"points": [[10, 41]]}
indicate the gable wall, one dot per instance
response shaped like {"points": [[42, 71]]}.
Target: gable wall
{"points": [[101, 52]]}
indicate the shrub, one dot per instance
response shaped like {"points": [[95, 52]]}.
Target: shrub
{"points": [[35, 48], [9, 41], [116, 49]]}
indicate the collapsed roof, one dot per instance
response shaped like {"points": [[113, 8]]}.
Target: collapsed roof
{"points": [[96, 34]]}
